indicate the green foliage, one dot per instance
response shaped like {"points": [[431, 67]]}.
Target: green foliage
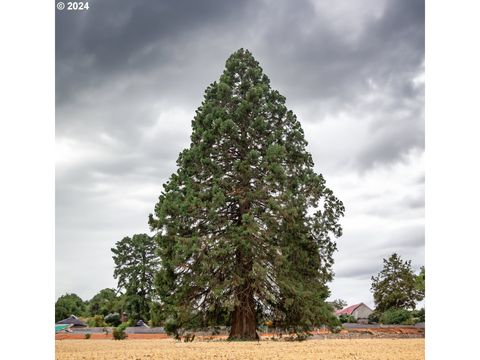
{"points": [[344, 318], [374, 317], [395, 286], [420, 283], [137, 307], [338, 304], [410, 321], [419, 315], [156, 314], [69, 304], [113, 319], [103, 303], [395, 316], [334, 323], [335, 329], [88, 336], [135, 265], [171, 327], [131, 322], [119, 332], [245, 224], [96, 321]]}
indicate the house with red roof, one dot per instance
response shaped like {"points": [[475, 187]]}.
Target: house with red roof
{"points": [[358, 311]]}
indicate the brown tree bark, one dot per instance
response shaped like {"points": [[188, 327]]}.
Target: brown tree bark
{"points": [[244, 322]]}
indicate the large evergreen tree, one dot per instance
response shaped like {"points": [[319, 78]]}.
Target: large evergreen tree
{"points": [[244, 226]]}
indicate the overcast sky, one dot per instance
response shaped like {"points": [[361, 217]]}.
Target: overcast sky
{"points": [[130, 74]]}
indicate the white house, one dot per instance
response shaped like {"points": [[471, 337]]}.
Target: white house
{"points": [[358, 311]]}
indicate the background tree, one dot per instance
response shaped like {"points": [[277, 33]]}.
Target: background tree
{"points": [[135, 266], [395, 286], [104, 302], [113, 319], [69, 304], [338, 304], [244, 225], [157, 317]]}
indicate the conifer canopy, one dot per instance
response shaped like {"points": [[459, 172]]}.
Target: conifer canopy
{"points": [[245, 225]]}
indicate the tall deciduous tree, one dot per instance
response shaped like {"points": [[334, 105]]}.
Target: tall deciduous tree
{"points": [[395, 286], [245, 224], [135, 266]]}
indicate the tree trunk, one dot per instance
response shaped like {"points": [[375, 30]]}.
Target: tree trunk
{"points": [[244, 322]]}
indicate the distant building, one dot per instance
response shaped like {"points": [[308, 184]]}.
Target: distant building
{"points": [[72, 320], [140, 323], [358, 311]]}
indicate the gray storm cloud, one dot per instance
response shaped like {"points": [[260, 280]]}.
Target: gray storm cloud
{"points": [[130, 74]]}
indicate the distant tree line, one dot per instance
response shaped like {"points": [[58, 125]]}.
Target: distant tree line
{"points": [[135, 265], [105, 306]]}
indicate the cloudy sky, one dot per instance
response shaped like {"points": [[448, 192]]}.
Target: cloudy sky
{"points": [[130, 74]]}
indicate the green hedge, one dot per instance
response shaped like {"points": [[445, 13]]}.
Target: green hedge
{"points": [[346, 319]]}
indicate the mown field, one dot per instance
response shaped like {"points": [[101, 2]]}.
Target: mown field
{"points": [[358, 349]]}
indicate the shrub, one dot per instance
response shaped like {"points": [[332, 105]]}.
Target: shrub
{"points": [[302, 336], [410, 321], [119, 332], [96, 321], [419, 315], [346, 319], [88, 336], [335, 329], [395, 316]]}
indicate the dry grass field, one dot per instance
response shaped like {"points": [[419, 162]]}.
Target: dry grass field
{"points": [[359, 349]]}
